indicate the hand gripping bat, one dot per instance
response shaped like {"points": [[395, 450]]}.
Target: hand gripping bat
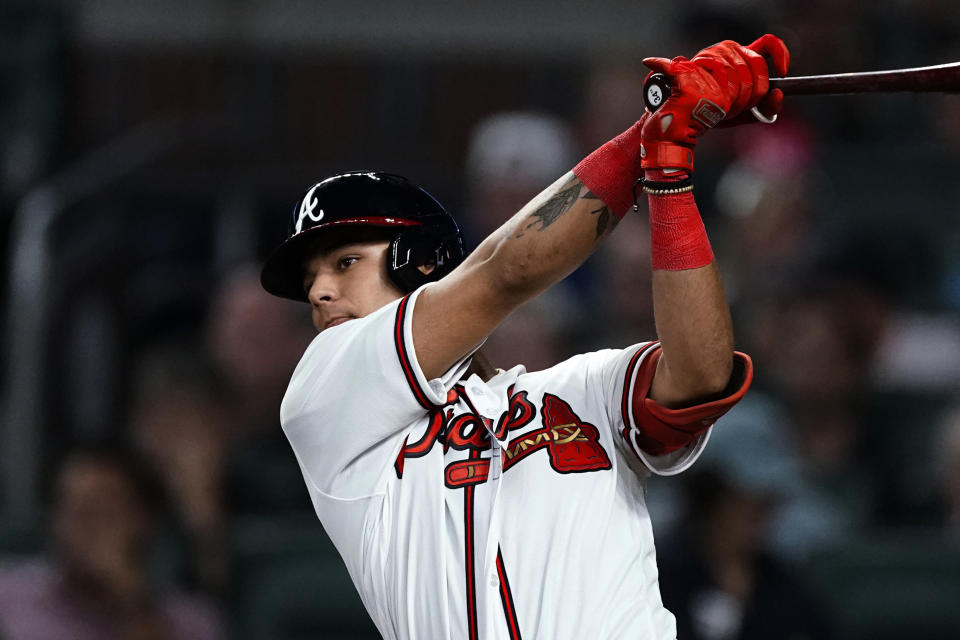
{"points": [[944, 78]]}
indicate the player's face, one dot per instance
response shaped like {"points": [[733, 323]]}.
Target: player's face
{"points": [[348, 281]]}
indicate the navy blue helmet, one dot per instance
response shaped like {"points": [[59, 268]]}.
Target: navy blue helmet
{"points": [[420, 229]]}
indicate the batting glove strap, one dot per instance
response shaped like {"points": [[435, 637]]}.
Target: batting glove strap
{"points": [[667, 154]]}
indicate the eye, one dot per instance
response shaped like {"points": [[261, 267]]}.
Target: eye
{"points": [[346, 261]]}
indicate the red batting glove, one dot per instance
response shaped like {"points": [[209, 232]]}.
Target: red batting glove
{"points": [[748, 75], [699, 100]]}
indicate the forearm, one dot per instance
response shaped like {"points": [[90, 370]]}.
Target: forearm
{"points": [[557, 230], [694, 328], [545, 241], [689, 305]]}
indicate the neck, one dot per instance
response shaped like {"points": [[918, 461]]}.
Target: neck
{"points": [[481, 366]]}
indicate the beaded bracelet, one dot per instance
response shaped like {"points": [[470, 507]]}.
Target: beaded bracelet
{"points": [[667, 192], [664, 188]]}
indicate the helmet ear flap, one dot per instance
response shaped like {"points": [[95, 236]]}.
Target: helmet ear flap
{"points": [[411, 250]]}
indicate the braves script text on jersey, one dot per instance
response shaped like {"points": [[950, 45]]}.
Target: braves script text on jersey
{"points": [[467, 509]]}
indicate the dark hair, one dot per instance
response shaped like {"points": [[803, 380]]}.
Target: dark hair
{"points": [[118, 457]]}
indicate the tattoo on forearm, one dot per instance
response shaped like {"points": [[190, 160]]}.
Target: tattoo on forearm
{"points": [[555, 207], [602, 213]]}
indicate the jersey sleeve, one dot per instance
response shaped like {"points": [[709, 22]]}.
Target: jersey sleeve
{"points": [[627, 379], [355, 394]]}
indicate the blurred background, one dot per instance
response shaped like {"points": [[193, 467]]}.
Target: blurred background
{"points": [[150, 153]]}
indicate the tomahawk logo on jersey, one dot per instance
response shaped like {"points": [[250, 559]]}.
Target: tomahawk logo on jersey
{"points": [[467, 509], [572, 444]]}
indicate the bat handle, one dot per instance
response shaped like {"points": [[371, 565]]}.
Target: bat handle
{"points": [[656, 90]]}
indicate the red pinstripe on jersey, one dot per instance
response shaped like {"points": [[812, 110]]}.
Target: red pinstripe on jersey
{"points": [[469, 569], [506, 596], [405, 361]]}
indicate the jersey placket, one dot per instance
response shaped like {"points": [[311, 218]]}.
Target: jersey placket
{"points": [[483, 402]]}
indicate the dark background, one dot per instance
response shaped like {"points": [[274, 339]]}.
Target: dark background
{"points": [[150, 150]]}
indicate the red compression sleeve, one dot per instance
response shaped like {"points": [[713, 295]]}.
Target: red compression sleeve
{"points": [[611, 171], [678, 239]]}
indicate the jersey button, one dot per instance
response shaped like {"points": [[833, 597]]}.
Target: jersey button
{"points": [[488, 409]]}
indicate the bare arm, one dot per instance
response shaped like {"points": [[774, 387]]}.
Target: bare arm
{"points": [[539, 246], [545, 241], [693, 324], [542, 244]]}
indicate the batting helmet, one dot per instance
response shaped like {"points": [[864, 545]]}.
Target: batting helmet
{"points": [[422, 230]]}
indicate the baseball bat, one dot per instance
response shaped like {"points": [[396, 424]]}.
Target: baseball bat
{"points": [[937, 78]]}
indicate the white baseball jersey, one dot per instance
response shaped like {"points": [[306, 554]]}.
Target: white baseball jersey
{"points": [[464, 509]]}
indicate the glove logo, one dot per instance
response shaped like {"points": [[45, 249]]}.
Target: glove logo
{"points": [[654, 96], [306, 209], [707, 113]]}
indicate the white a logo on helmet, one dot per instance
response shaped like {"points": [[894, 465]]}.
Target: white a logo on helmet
{"points": [[306, 209]]}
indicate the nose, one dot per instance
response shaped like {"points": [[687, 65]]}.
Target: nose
{"points": [[323, 289]]}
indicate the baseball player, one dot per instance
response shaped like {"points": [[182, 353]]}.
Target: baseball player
{"points": [[471, 502]]}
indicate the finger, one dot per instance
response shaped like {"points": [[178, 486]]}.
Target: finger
{"points": [[752, 72], [716, 68], [659, 65], [726, 52], [771, 104], [716, 80], [760, 74], [746, 78], [774, 48], [740, 75]]}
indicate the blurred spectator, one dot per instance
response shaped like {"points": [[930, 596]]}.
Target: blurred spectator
{"points": [[255, 341], [208, 420], [768, 199], [179, 424], [918, 351], [716, 575], [613, 101], [945, 119], [96, 583], [890, 279], [511, 156], [622, 296], [947, 456], [814, 346], [537, 334]]}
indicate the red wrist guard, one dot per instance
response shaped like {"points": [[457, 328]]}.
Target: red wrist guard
{"points": [[678, 239], [611, 171]]}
